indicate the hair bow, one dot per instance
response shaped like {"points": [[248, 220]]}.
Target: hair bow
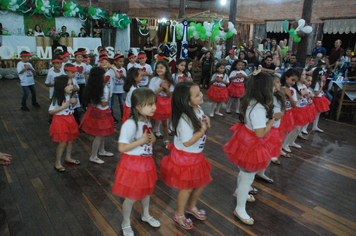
{"points": [[256, 72]]}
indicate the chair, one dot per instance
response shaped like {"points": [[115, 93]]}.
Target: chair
{"points": [[348, 90]]}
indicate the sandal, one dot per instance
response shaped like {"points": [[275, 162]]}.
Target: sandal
{"points": [[158, 135], [250, 197], [284, 154], [187, 223], [268, 180], [277, 162], [60, 169], [127, 233], [72, 162], [254, 191], [166, 143], [201, 213]]}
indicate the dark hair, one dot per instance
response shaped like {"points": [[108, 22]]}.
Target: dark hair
{"points": [[75, 56], [263, 42], [106, 57], [167, 75], [176, 69], [287, 74], [58, 94], [142, 53], [141, 97], [300, 72], [40, 28], [316, 77], [130, 81], [268, 56], [259, 88], [187, 61], [234, 64], [180, 105], [295, 55], [273, 47], [82, 29], [217, 67], [281, 99], [68, 65], [251, 51], [94, 90], [242, 51], [63, 26]]}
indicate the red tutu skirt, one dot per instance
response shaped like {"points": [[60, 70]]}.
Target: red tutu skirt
{"points": [[218, 93], [126, 115], [321, 104], [164, 108], [63, 128], [312, 112], [98, 122], [287, 121], [282, 133], [185, 170], [276, 140], [236, 89], [300, 115], [248, 151], [135, 177]]}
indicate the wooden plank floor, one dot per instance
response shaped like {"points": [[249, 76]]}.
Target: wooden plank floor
{"points": [[313, 193]]}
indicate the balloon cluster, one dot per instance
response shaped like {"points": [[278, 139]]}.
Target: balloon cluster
{"points": [[119, 20], [215, 30], [299, 31], [142, 24]]}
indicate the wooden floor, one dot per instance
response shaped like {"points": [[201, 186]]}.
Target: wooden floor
{"points": [[313, 192]]}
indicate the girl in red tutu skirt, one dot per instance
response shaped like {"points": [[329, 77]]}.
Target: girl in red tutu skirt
{"points": [[249, 146], [98, 120], [311, 107], [64, 128], [162, 84], [134, 77], [136, 174], [299, 112], [320, 101], [186, 168], [236, 88], [217, 92]]}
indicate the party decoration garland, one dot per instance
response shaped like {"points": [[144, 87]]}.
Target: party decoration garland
{"points": [[299, 31]]}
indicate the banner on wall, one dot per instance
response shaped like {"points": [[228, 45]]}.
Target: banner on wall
{"points": [[31, 21]]}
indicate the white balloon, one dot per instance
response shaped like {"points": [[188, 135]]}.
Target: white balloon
{"points": [[208, 33], [192, 28], [230, 25], [196, 37], [217, 38], [196, 34], [46, 11], [307, 29], [77, 9], [222, 34], [205, 24], [72, 7]]}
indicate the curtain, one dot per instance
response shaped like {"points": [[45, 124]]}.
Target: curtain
{"points": [[340, 26]]}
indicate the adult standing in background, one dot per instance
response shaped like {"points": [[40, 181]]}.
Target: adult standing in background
{"points": [[192, 48], [38, 31], [336, 54], [276, 51], [148, 48], [319, 49], [284, 49]]}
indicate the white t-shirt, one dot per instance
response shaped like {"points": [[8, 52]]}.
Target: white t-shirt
{"points": [[51, 77], [185, 133], [255, 116], [88, 67], [240, 79], [76, 95], [178, 78], [317, 87], [68, 111], [104, 98], [110, 77], [155, 83], [294, 95], [62, 69], [80, 74], [118, 86], [128, 96], [26, 77], [303, 100], [39, 34], [190, 76], [97, 60], [276, 109], [229, 60], [145, 79], [222, 76], [129, 133], [131, 65], [219, 50]]}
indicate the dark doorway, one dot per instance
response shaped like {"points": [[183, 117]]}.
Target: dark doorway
{"points": [[348, 40], [278, 36]]}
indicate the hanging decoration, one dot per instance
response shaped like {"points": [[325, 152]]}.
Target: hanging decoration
{"points": [[57, 8], [299, 30], [142, 24], [214, 30], [173, 48], [184, 50]]}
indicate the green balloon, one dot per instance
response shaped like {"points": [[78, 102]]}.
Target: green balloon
{"points": [[296, 38], [179, 37], [192, 24], [144, 22], [229, 34]]}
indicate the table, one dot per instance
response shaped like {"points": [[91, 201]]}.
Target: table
{"points": [[338, 86]]}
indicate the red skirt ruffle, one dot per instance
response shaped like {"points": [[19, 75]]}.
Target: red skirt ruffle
{"points": [[321, 104], [63, 128], [126, 115], [135, 177], [300, 116], [218, 93], [248, 151], [236, 89], [164, 108], [312, 112], [276, 140], [98, 122], [185, 170], [287, 121]]}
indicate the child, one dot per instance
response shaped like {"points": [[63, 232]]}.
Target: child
{"points": [[217, 92], [249, 146], [188, 68], [65, 58], [98, 120], [145, 68], [63, 129], [206, 61], [136, 175], [26, 75], [320, 101], [53, 74], [180, 73], [118, 84], [70, 70], [97, 57], [162, 84], [80, 76], [134, 77], [311, 107], [86, 61], [236, 87], [132, 61], [186, 168]]}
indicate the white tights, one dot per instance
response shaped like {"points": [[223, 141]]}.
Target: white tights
{"points": [[292, 136], [127, 208], [216, 105], [229, 103], [98, 143], [316, 121], [244, 181]]}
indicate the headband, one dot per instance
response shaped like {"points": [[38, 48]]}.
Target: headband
{"points": [[141, 56], [103, 51], [85, 59], [160, 57], [67, 54], [133, 55], [26, 54], [56, 60], [118, 56], [78, 53], [70, 68], [104, 58]]}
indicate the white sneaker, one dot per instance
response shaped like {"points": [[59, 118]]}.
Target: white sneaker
{"points": [[96, 160], [212, 115], [152, 221], [295, 145], [286, 148], [218, 114], [106, 154]]}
